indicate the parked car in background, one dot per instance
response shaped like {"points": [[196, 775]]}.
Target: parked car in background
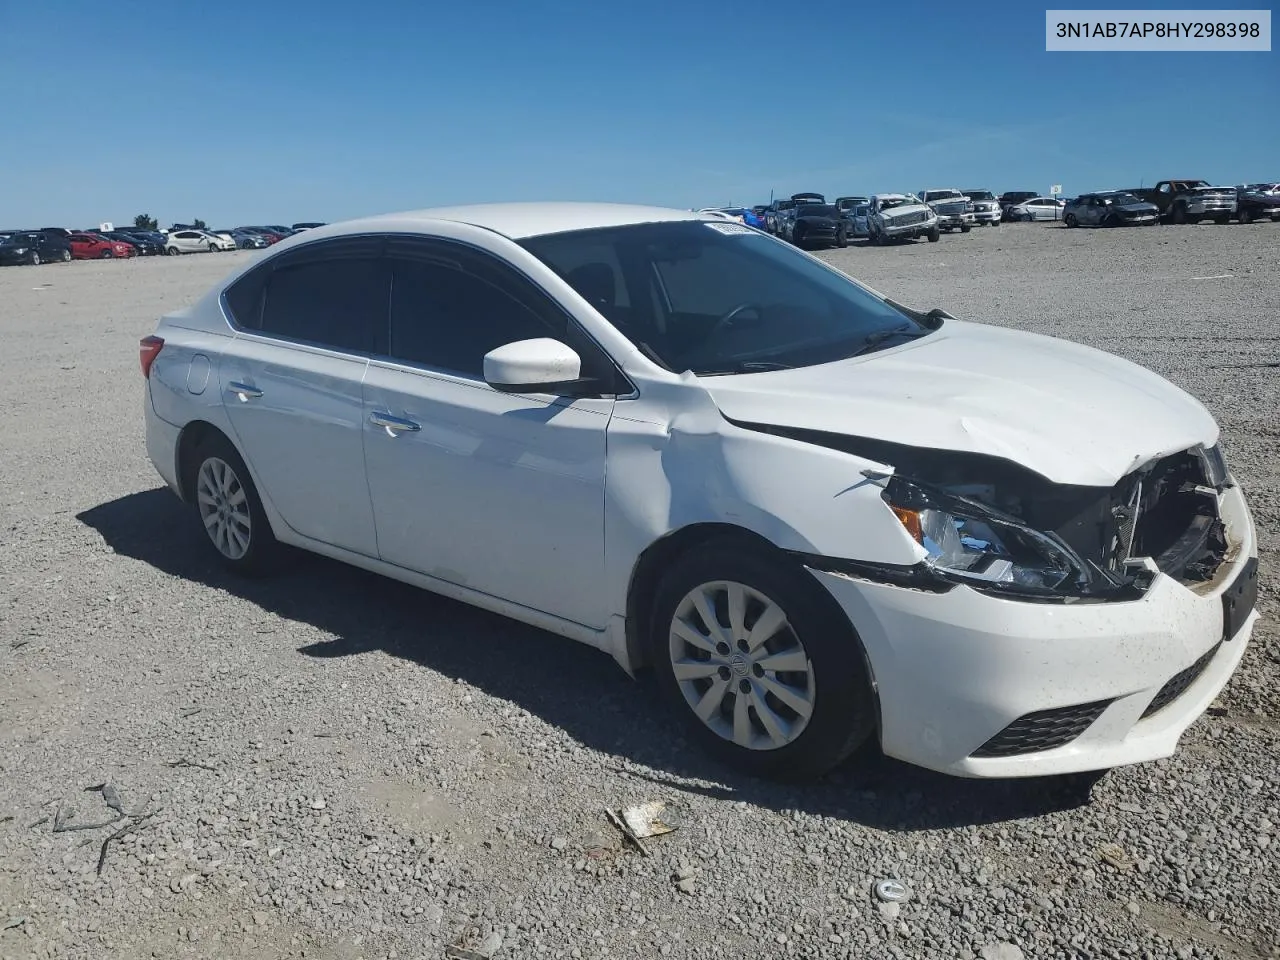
{"points": [[33, 248], [1012, 197], [1109, 208], [1268, 188], [901, 216], [91, 246], [785, 527], [247, 240], [846, 207], [776, 213], [307, 225], [857, 219], [785, 217], [145, 246], [986, 207], [1037, 208], [269, 235], [1190, 200], [817, 224], [225, 234], [283, 231], [719, 214], [196, 241], [954, 209], [1254, 205]]}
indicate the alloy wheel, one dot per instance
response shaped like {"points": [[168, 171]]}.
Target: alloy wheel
{"points": [[740, 666], [224, 508]]}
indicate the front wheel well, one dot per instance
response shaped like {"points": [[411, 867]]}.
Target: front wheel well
{"points": [[193, 436], [655, 561]]}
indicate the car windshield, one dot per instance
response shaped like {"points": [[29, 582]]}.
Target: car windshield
{"points": [[888, 203], [817, 210], [980, 195], [944, 195], [717, 298], [1123, 198]]}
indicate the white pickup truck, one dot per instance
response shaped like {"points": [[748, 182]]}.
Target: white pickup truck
{"points": [[900, 216], [954, 209]]}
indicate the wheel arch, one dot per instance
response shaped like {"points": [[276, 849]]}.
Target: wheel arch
{"points": [[189, 441]]}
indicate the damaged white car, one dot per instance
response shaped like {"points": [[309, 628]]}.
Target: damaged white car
{"points": [[818, 515]]}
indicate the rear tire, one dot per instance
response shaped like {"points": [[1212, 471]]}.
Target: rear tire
{"points": [[172, 251], [230, 511], [789, 702]]}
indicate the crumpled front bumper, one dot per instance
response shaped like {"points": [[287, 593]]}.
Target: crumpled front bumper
{"points": [[956, 671]]}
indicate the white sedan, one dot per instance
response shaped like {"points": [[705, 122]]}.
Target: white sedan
{"points": [[1037, 208], [819, 516], [196, 241]]}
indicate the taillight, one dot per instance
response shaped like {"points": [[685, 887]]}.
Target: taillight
{"points": [[148, 349]]}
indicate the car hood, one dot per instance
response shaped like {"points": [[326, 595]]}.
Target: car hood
{"points": [[904, 209], [1143, 207], [1070, 413]]}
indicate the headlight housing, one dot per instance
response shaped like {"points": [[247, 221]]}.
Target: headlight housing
{"points": [[973, 543]]}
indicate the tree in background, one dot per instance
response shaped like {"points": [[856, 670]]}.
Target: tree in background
{"points": [[144, 221], [199, 224]]}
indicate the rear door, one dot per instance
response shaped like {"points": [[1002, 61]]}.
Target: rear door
{"points": [[292, 380]]}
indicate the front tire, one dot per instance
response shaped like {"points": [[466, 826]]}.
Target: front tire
{"points": [[965, 229], [935, 235], [105, 255], [842, 239], [66, 256], [1246, 216], [229, 508], [1070, 220], [764, 666], [35, 259], [172, 251]]}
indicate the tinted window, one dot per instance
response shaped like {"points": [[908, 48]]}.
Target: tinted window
{"points": [[450, 305], [817, 210], [717, 297], [335, 302]]}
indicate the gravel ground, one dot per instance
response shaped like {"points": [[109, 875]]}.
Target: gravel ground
{"points": [[339, 766]]}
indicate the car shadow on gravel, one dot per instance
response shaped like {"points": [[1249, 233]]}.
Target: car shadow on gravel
{"points": [[548, 675]]}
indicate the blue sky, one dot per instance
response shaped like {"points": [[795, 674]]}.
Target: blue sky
{"points": [[253, 112]]}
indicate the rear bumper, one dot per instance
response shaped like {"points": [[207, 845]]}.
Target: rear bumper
{"points": [[162, 444], [958, 671]]}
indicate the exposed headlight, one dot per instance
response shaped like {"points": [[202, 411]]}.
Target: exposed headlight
{"points": [[20, 250], [973, 543]]}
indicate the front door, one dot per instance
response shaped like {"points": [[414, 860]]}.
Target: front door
{"points": [[497, 492]]}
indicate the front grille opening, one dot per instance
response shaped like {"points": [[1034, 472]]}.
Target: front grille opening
{"points": [[1178, 685], [1043, 730]]}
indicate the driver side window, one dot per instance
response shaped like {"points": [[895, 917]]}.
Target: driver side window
{"points": [[451, 304]]}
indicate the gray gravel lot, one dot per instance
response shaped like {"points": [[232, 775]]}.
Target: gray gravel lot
{"points": [[339, 766]]}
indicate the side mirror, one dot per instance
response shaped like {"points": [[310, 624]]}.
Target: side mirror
{"points": [[542, 365]]}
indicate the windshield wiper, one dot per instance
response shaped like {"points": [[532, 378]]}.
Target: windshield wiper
{"points": [[873, 340], [746, 366]]}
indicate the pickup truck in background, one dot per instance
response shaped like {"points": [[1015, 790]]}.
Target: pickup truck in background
{"points": [[901, 216], [1190, 201], [955, 211]]}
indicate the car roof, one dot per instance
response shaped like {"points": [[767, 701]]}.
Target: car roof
{"points": [[516, 220]]}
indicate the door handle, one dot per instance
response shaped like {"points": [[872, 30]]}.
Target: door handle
{"points": [[243, 390], [392, 424]]}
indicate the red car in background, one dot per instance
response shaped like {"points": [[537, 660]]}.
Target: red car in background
{"points": [[87, 246]]}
